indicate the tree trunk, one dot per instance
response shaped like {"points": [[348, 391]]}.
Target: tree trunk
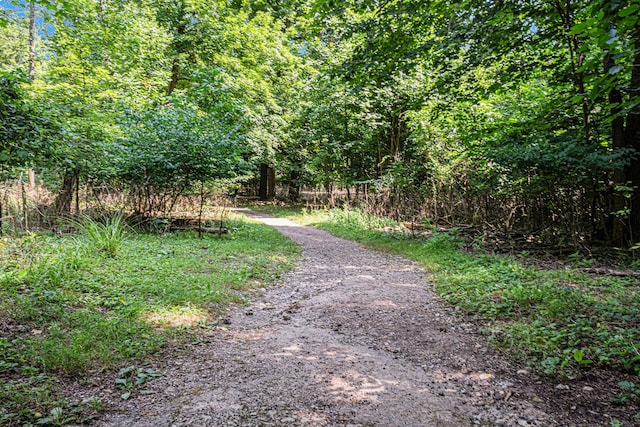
{"points": [[271, 183], [264, 178], [294, 183], [175, 76], [25, 207], [32, 61], [32, 40], [396, 137], [77, 191], [62, 203], [201, 210], [565, 11], [618, 224]]}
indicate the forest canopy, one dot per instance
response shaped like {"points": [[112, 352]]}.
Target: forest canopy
{"points": [[518, 115]]}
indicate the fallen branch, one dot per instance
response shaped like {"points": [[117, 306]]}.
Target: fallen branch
{"points": [[208, 230], [603, 271]]}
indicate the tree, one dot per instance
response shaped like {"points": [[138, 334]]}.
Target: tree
{"points": [[21, 130], [13, 46], [612, 58], [106, 57]]}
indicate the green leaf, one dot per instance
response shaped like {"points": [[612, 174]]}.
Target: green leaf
{"points": [[577, 98], [615, 69], [578, 355], [578, 28], [629, 10], [56, 413], [125, 370]]}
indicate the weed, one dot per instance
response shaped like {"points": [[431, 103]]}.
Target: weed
{"points": [[579, 260], [56, 417], [631, 394], [358, 219], [131, 379]]}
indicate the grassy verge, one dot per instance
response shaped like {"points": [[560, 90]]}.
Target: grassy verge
{"points": [[104, 300], [560, 322]]}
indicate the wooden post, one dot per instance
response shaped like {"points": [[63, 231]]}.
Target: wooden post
{"points": [[25, 209]]}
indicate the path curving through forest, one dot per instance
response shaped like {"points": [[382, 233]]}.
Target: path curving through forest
{"points": [[352, 337]]}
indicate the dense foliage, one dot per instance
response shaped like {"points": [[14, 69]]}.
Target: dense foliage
{"points": [[172, 148], [19, 123], [521, 115], [488, 112]]}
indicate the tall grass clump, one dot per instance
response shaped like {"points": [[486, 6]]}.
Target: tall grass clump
{"points": [[106, 234]]}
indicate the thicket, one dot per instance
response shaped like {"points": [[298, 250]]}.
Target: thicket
{"points": [[519, 116]]}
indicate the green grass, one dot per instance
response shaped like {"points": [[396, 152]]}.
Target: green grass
{"points": [[104, 299], [560, 322]]}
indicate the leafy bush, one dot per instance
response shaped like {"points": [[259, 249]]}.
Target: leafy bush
{"points": [[170, 149], [19, 123]]}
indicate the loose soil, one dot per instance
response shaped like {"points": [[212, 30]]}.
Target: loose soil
{"points": [[354, 337]]}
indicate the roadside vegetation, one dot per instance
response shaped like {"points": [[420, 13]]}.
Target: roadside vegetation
{"points": [[103, 301], [559, 321]]}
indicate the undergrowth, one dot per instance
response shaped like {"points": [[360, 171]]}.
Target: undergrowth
{"points": [[97, 301], [560, 321]]}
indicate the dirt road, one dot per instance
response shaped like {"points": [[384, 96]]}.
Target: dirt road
{"points": [[352, 337]]}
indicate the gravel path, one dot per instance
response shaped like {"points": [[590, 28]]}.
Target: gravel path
{"points": [[352, 337]]}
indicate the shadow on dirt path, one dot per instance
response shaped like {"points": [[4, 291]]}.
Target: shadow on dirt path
{"points": [[352, 337]]}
